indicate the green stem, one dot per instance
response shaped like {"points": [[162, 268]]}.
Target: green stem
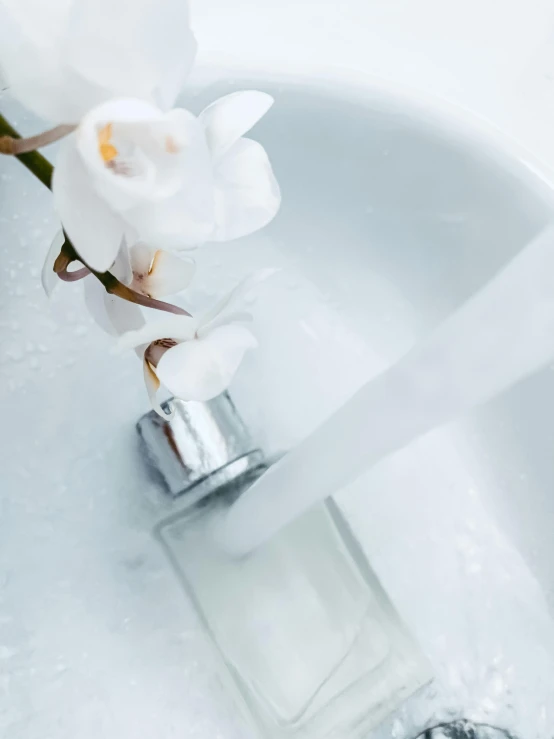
{"points": [[35, 162]]}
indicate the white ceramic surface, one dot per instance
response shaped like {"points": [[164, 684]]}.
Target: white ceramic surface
{"points": [[393, 214], [493, 57]]}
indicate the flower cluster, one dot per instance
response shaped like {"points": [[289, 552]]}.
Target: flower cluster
{"points": [[137, 180]]}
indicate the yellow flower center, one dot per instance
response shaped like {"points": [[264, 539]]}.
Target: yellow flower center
{"points": [[108, 152]]}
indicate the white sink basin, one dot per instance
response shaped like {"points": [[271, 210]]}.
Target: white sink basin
{"points": [[392, 216]]}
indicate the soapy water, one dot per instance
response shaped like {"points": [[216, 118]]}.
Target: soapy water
{"points": [[498, 337]]}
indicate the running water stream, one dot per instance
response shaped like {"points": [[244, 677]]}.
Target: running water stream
{"points": [[502, 334]]}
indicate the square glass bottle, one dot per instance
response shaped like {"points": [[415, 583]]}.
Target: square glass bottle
{"points": [[310, 645]]}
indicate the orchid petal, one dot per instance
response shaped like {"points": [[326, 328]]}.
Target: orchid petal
{"points": [[247, 195], [158, 273], [120, 67], [48, 277], [94, 293], [202, 369], [141, 256], [32, 58], [225, 320], [185, 218], [230, 117], [142, 48], [125, 316], [114, 315], [237, 292], [180, 328], [152, 386], [122, 268], [167, 275], [63, 57], [93, 229]]}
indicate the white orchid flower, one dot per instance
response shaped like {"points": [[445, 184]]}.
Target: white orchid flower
{"points": [[172, 179], [195, 359], [152, 272], [63, 57], [158, 273]]}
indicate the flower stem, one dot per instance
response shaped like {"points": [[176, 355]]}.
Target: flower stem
{"points": [[14, 146], [74, 276], [111, 284], [42, 169], [114, 287], [35, 162]]}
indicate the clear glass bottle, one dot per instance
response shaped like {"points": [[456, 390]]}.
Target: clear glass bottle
{"points": [[310, 644]]}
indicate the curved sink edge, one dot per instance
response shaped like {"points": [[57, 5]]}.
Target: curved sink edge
{"points": [[445, 116]]}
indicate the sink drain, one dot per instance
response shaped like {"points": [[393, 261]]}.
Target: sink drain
{"points": [[465, 730]]}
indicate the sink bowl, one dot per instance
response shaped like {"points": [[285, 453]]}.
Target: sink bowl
{"points": [[395, 210]]}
